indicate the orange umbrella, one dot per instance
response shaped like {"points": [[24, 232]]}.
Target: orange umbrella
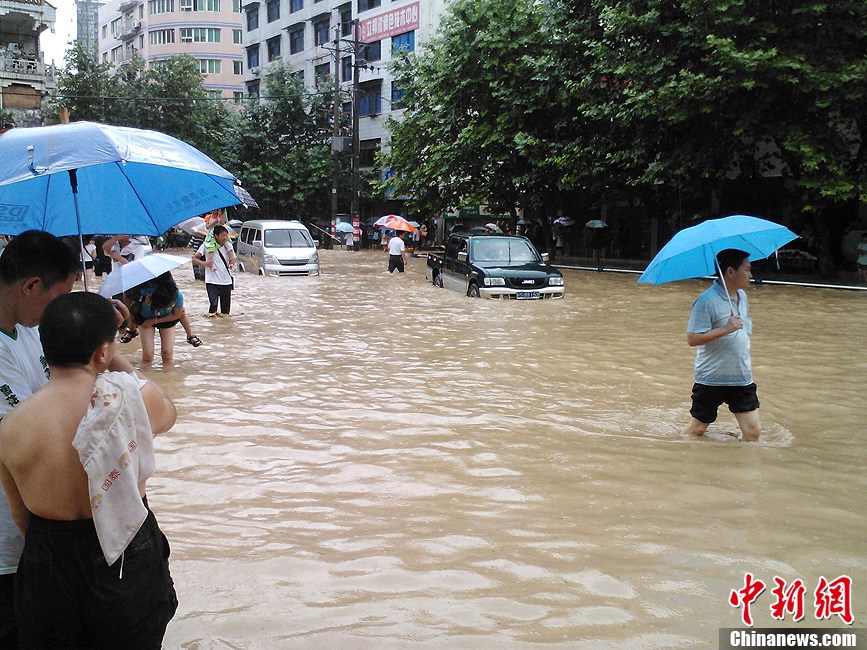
{"points": [[394, 222]]}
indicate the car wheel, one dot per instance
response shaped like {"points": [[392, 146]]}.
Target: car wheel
{"points": [[438, 280], [241, 267], [473, 291], [261, 271]]}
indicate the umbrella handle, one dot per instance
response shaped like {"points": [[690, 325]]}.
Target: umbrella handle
{"points": [[725, 288], [73, 181]]}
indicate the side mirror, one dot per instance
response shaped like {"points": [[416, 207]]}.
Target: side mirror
{"points": [[545, 257], [315, 243], [462, 256], [257, 242]]}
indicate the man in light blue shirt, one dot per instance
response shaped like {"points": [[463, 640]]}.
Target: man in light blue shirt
{"points": [[720, 328]]}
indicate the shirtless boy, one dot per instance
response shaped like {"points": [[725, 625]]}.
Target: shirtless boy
{"points": [[84, 601]]}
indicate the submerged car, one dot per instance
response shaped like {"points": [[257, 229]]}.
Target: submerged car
{"points": [[495, 266], [277, 248]]}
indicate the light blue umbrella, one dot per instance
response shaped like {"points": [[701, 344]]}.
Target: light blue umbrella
{"points": [[692, 252], [114, 180], [344, 226], [138, 272]]}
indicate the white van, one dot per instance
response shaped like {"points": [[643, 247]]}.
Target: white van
{"points": [[277, 248]]}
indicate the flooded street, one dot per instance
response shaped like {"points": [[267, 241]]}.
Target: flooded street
{"points": [[362, 460]]}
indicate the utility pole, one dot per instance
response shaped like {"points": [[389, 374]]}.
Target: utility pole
{"points": [[356, 142], [335, 126]]}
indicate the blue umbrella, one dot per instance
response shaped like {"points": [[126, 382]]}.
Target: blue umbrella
{"points": [[344, 226], [692, 252]]}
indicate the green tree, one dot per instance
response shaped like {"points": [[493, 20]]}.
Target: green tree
{"points": [[168, 97], [280, 147], [483, 111], [695, 92]]}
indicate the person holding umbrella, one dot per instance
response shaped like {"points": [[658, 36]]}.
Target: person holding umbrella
{"points": [[719, 328], [396, 253]]}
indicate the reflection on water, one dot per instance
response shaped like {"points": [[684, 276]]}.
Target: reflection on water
{"points": [[362, 460]]}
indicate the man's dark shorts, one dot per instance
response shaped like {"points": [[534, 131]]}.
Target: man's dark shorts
{"points": [[66, 596], [395, 262], [706, 400]]}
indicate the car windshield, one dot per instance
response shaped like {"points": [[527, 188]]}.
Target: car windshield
{"points": [[501, 249], [286, 238]]}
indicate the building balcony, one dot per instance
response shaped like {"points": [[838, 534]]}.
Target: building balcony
{"points": [[129, 30], [128, 5], [27, 71]]}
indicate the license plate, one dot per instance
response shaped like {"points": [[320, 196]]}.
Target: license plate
{"points": [[527, 295]]}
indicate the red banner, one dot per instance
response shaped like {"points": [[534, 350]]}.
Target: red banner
{"points": [[391, 23]]}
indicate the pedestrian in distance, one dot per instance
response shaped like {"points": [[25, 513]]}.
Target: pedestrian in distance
{"points": [[720, 328], [34, 269], [218, 277], [396, 254], [862, 259], [74, 460]]}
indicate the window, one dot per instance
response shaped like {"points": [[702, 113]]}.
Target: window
{"points": [[237, 67], [116, 54], [237, 37], [298, 77], [115, 27], [370, 98], [253, 56], [253, 18], [105, 31], [105, 57], [321, 29], [364, 5], [140, 12], [210, 66], [237, 96], [162, 36], [215, 94], [236, 6], [161, 6], [200, 35], [397, 94], [296, 39], [295, 5], [273, 45], [403, 42], [346, 20], [346, 68], [367, 150], [372, 52], [253, 89], [200, 5], [322, 71], [273, 10]]}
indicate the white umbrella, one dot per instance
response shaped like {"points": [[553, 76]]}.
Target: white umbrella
{"points": [[138, 272]]}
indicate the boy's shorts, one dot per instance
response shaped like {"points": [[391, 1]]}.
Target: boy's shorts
{"points": [[706, 400]]}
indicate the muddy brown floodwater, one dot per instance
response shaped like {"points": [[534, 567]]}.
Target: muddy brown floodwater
{"points": [[365, 461]]}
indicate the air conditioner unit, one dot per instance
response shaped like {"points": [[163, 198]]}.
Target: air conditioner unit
{"points": [[136, 24], [254, 70]]}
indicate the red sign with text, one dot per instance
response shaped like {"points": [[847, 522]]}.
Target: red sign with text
{"points": [[391, 23]]}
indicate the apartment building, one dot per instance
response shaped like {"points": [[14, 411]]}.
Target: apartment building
{"points": [[208, 30], [302, 33], [25, 78], [87, 25]]}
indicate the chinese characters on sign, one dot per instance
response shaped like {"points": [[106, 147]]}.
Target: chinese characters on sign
{"points": [[391, 23], [830, 598]]}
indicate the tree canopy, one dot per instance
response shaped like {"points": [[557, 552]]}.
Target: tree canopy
{"points": [[584, 94]]}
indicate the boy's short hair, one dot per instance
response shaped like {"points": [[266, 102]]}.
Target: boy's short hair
{"points": [[35, 253], [73, 326], [219, 230], [731, 257]]}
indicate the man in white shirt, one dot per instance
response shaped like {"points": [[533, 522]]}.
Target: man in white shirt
{"points": [[35, 268], [123, 249], [396, 254], [218, 280]]}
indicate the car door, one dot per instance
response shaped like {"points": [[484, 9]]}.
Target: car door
{"points": [[452, 278]]}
